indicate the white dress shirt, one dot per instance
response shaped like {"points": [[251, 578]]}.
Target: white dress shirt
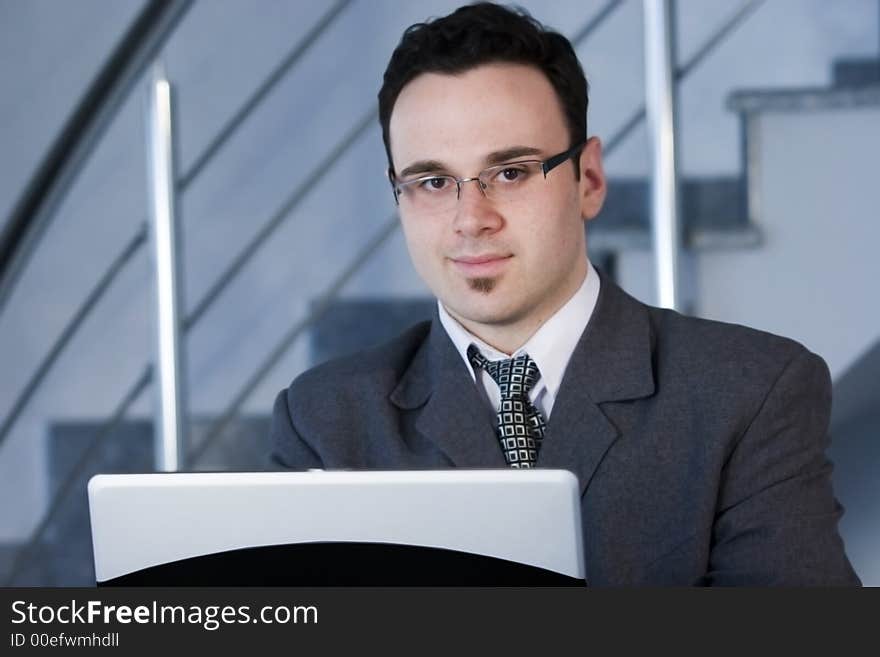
{"points": [[550, 347]]}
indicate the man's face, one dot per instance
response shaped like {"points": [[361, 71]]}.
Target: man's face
{"points": [[500, 268]]}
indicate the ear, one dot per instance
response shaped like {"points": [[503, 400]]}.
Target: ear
{"points": [[592, 183]]}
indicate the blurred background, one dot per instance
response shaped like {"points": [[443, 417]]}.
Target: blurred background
{"points": [[289, 247]]}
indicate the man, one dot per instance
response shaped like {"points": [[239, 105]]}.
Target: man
{"points": [[699, 446]]}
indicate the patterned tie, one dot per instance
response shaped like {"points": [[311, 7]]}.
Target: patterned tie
{"points": [[520, 425]]}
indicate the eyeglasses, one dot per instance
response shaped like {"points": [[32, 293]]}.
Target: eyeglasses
{"points": [[508, 182]]}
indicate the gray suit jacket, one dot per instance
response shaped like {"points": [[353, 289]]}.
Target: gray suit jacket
{"points": [[699, 446]]}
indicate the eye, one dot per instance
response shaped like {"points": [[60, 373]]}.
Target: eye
{"points": [[431, 184], [512, 174]]}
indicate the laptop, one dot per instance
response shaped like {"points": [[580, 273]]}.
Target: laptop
{"points": [[344, 528]]}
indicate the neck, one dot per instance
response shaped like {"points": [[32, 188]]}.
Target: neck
{"points": [[505, 341]]}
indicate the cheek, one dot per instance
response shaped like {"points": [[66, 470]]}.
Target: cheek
{"points": [[566, 228], [421, 244], [552, 229]]}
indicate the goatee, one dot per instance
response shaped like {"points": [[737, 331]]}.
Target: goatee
{"points": [[483, 285]]}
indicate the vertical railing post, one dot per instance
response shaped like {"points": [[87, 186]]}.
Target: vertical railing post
{"points": [[170, 413], [660, 106]]}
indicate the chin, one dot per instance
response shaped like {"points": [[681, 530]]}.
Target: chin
{"points": [[484, 301], [483, 312]]}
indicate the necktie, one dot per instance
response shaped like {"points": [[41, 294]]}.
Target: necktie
{"points": [[520, 426]]}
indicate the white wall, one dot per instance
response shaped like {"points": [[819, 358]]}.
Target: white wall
{"points": [[815, 277]]}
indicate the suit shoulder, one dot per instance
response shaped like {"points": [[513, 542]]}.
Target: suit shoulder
{"points": [[380, 366], [722, 347]]}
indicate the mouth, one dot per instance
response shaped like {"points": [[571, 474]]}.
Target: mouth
{"points": [[480, 266]]}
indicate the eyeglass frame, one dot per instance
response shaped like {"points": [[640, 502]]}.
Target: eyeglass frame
{"points": [[546, 166]]}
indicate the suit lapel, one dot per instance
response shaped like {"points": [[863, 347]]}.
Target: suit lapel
{"points": [[454, 416], [611, 362], [577, 438]]}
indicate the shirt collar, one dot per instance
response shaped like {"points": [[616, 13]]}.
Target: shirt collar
{"points": [[552, 344]]}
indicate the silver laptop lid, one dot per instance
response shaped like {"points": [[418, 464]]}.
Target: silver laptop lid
{"points": [[144, 520]]}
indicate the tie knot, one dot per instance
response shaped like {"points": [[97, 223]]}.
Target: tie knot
{"points": [[514, 376]]}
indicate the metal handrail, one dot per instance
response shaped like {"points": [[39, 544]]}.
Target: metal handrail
{"points": [[80, 135], [138, 240], [681, 72]]}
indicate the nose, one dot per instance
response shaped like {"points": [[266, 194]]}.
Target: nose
{"points": [[475, 214]]}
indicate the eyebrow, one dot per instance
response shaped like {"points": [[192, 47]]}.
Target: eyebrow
{"points": [[422, 166], [493, 158], [512, 153]]}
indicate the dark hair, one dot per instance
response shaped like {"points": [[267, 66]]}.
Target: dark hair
{"points": [[484, 33]]}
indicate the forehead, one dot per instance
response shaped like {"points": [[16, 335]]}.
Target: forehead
{"points": [[459, 118]]}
